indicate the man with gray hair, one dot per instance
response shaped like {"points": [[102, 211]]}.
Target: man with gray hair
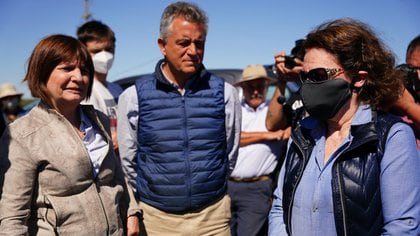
{"points": [[179, 133]]}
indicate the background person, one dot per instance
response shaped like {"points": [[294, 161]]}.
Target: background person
{"points": [[10, 100], [100, 42], [286, 107], [413, 60], [178, 129], [408, 103], [2, 124], [331, 182], [250, 185], [59, 174]]}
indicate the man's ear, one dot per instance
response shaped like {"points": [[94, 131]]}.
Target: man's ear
{"points": [[162, 47], [359, 81]]}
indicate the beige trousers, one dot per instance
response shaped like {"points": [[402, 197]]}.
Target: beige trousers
{"points": [[212, 220]]}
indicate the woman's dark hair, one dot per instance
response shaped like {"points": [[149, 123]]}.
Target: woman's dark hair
{"points": [[357, 48], [50, 52]]}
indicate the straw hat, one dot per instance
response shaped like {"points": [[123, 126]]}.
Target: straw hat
{"points": [[7, 90], [252, 72]]}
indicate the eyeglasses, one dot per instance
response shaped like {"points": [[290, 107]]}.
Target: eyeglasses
{"points": [[319, 74]]}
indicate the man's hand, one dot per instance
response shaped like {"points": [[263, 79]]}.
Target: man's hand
{"points": [[255, 137], [282, 71], [406, 106], [283, 134]]}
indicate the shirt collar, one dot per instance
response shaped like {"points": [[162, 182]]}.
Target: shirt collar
{"points": [[182, 91], [363, 115], [85, 123], [259, 108]]}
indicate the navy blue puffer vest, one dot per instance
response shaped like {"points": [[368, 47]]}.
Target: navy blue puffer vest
{"points": [[182, 159], [355, 177]]}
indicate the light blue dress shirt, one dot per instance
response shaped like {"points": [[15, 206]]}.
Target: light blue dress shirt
{"points": [[312, 211]]}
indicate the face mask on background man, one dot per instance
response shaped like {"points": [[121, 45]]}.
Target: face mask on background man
{"points": [[102, 61]]}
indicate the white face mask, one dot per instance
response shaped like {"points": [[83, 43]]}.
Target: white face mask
{"points": [[102, 61]]}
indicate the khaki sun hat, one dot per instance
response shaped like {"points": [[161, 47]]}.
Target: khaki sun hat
{"points": [[252, 72], [7, 90]]}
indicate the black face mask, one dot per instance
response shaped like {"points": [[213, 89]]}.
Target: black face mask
{"points": [[324, 99]]}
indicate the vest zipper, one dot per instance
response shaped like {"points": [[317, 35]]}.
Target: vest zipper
{"points": [[342, 200], [351, 148], [95, 178], [289, 214], [186, 147]]}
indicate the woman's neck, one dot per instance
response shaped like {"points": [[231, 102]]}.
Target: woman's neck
{"points": [[340, 124], [338, 128], [73, 118]]}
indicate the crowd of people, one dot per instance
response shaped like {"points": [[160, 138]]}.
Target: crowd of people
{"points": [[333, 152]]}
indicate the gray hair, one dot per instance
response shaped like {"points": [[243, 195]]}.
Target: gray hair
{"points": [[189, 11]]}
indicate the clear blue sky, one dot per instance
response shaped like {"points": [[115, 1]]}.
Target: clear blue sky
{"points": [[241, 32]]}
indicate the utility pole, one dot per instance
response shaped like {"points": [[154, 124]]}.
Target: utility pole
{"points": [[86, 15]]}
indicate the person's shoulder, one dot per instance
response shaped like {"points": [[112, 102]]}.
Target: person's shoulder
{"points": [[230, 89], [148, 81], [393, 128], [212, 76], [29, 123], [128, 95], [114, 87], [93, 113], [386, 121], [129, 90], [87, 107]]}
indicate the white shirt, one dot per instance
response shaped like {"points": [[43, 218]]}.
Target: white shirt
{"points": [[102, 99], [259, 158]]}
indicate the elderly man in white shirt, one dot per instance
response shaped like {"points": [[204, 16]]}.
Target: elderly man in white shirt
{"points": [[250, 185]]}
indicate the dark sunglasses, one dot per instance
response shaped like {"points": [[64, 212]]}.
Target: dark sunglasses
{"points": [[318, 74]]}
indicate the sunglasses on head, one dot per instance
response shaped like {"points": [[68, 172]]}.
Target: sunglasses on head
{"points": [[318, 74]]}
